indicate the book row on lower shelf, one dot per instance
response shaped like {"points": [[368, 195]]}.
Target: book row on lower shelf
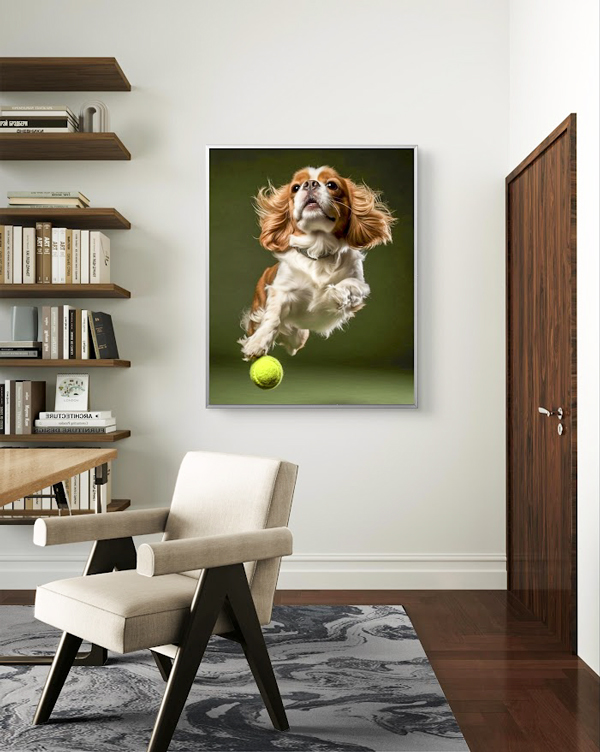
{"points": [[53, 255], [78, 492], [67, 333], [23, 408]]}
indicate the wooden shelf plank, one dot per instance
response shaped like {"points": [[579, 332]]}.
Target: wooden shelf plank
{"points": [[109, 290], [71, 363], [81, 219], [66, 438], [29, 516], [59, 146], [62, 74]]}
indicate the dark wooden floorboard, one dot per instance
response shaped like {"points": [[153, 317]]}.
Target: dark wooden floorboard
{"points": [[510, 683]]}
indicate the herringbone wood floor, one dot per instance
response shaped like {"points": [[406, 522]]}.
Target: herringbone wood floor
{"points": [[508, 681]]}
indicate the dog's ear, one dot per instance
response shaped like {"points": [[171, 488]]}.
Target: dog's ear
{"points": [[273, 209], [370, 219]]}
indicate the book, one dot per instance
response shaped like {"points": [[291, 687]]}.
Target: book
{"points": [[72, 392], [20, 344], [54, 332], [69, 257], [2, 388], [15, 353], [67, 429], [62, 255], [76, 260], [46, 252], [85, 335], [29, 255], [68, 129], [84, 490], [77, 333], [99, 257], [37, 121], [34, 401], [8, 253], [2, 233], [17, 277], [49, 195], [7, 421], [55, 263], [18, 109], [18, 426], [103, 335], [39, 251], [66, 326], [46, 332], [85, 257], [58, 423], [60, 203], [85, 415]]}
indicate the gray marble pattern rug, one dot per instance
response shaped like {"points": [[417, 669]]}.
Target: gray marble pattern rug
{"points": [[352, 678]]}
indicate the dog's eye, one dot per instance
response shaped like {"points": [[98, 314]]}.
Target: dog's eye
{"points": [[295, 188], [331, 185]]}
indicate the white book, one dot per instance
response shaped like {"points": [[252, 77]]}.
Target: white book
{"points": [[7, 424], [93, 491], [75, 492], [54, 324], [59, 422], [76, 248], [85, 335], [55, 242], [47, 503], [108, 483], [99, 257], [37, 502], [8, 254], [18, 407], [65, 328], [84, 490], [85, 257], [19, 504], [62, 255], [17, 256], [29, 255], [72, 414]]}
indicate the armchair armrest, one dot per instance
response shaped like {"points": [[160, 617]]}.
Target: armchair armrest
{"points": [[170, 557], [92, 527]]}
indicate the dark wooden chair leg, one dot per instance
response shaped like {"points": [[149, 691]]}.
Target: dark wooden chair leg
{"points": [[63, 660], [250, 636], [207, 603], [164, 663]]}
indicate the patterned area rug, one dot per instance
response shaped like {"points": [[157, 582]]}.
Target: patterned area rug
{"points": [[353, 679]]}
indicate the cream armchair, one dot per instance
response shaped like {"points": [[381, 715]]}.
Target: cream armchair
{"points": [[214, 572]]}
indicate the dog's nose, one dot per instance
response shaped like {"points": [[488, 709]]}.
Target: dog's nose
{"points": [[311, 185]]}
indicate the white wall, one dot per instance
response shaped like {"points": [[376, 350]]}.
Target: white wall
{"points": [[384, 498], [554, 71]]}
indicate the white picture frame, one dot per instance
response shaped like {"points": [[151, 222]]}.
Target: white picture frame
{"points": [[72, 392]]}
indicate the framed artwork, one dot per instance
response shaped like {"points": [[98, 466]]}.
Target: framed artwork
{"points": [[312, 276], [72, 392]]}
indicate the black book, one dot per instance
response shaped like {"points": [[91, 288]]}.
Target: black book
{"points": [[103, 336], [72, 340], [2, 389]]}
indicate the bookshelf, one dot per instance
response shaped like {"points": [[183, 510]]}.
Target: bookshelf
{"points": [[53, 74], [82, 219], [109, 290]]}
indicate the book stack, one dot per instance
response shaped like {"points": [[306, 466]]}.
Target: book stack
{"points": [[73, 333], [100, 421], [48, 199], [80, 491], [38, 119], [21, 402], [20, 349], [53, 255]]}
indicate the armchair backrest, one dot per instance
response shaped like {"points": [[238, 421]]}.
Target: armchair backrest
{"points": [[227, 493]]}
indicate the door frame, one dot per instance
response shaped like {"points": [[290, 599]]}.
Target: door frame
{"points": [[568, 127]]}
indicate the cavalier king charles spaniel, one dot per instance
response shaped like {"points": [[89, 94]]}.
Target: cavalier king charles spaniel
{"points": [[317, 227]]}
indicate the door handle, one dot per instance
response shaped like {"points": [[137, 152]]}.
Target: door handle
{"points": [[558, 412]]}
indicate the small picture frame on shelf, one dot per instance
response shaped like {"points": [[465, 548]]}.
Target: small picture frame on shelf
{"points": [[72, 392]]}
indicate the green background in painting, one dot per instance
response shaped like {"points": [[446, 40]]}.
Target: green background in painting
{"points": [[371, 360]]}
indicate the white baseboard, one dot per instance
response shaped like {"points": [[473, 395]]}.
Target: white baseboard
{"points": [[312, 571]]}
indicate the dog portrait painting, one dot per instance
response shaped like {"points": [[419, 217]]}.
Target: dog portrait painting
{"points": [[311, 272]]}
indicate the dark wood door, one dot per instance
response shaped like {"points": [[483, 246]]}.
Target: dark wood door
{"points": [[541, 373]]}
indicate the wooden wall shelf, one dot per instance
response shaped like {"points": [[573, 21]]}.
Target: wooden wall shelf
{"points": [[109, 290], [71, 363], [80, 219], [29, 516], [65, 438], [62, 74], [59, 146]]}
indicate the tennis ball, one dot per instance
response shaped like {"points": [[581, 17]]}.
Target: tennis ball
{"points": [[266, 372]]}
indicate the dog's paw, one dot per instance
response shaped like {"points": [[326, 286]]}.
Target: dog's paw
{"points": [[255, 346], [338, 297]]}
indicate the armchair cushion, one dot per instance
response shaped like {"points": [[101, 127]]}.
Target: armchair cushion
{"points": [[50, 531], [213, 551], [122, 611]]}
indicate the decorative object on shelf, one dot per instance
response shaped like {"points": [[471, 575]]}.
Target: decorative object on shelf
{"points": [[321, 232], [72, 392], [94, 117], [24, 323]]}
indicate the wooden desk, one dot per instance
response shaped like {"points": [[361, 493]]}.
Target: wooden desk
{"points": [[25, 471]]}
